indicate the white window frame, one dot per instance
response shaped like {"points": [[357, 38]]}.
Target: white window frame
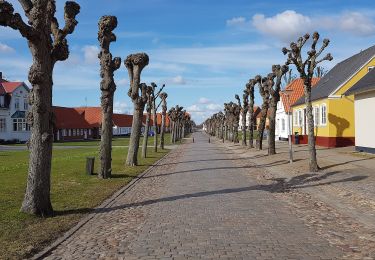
{"points": [[3, 124], [321, 114], [64, 132], [74, 132], [295, 118], [20, 125], [89, 131], [16, 103], [300, 117], [25, 104], [282, 124], [316, 113]]}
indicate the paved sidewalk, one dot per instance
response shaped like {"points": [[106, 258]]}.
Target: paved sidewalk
{"points": [[198, 204]]}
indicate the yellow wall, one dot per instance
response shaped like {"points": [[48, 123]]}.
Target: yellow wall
{"points": [[340, 111]]}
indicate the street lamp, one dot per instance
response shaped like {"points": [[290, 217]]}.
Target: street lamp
{"points": [[287, 93]]}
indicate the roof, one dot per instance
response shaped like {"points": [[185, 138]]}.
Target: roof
{"points": [[340, 74], [366, 83], [69, 118], [93, 115], [158, 119], [122, 120], [19, 114], [297, 91], [8, 87]]}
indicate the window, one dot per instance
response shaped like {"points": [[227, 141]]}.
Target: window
{"points": [[74, 132], [25, 104], [81, 131], [323, 110], [316, 116], [295, 119], [19, 125], [17, 103], [89, 131], [300, 118], [3, 125], [283, 124], [2, 101], [70, 132], [64, 132]]}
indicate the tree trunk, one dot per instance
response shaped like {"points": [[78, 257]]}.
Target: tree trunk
{"points": [[162, 129], [272, 121], [105, 151], [262, 125], [145, 135], [313, 163], [155, 129], [172, 130], [244, 143], [251, 126], [37, 196], [131, 159]]}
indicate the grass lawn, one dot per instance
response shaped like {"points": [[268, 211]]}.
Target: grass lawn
{"points": [[73, 194], [116, 141]]}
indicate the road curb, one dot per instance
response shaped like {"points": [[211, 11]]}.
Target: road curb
{"points": [[104, 204]]}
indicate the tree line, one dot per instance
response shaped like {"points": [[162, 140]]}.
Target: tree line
{"points": [[48, 43], [225, 124]]}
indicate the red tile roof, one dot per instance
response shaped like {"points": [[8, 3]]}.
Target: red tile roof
{"points": [[69, 118], [93, 115], [297, 92], [158, 119], [122, 120], [9, 87]]}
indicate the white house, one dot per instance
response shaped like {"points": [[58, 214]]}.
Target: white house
{"points": [[364, 106], [13, 110], [289, 96], [256, 112]]}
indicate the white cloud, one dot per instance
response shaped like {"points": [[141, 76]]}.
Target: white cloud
{"points": [[5, 48], [289, 25], [357, 23], [91, 54], [166, 67], [203, 100], [237, 21], [121, 108], [285, 26], [178, 80], [122, 82]]}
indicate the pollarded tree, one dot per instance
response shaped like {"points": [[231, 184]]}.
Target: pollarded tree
{"points": [[108, 87], [306, 70], [263, 84], [278, 73], [250, 90], [48, 44], [163, 97], [236, 114], [244, 109], [135, 63], [149, 94], [154, 113]]}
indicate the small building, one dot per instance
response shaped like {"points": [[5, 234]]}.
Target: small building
{"points": [[70, 125], [256, 114], [122, 124], [333, 111], [14, 105], [364, 106], [293, 92]]}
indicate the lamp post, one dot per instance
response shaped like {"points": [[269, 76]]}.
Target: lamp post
{"points": [[287, 93]]}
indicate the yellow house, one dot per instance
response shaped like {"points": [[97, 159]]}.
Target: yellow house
{"points": [[333, 110]]}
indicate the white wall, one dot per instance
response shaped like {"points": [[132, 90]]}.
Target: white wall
{"points": [[364, 106]]}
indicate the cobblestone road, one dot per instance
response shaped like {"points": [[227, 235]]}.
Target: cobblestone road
{"points": [[197, 204]]}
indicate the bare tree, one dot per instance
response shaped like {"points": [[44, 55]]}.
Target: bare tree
{"points": [[277, 73], [306, 70], [154, 113], [163, 97], [135, 63], [108, 87], [320, 72], [288, 78], [244, 109], [250, 90], [265, 94], [48, 44], [149, 94]]}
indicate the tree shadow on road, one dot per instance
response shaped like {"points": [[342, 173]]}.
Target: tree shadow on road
{"points": [[344, 163], [280, 185]]}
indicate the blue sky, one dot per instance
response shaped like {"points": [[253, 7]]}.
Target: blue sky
{"points": [[204, 50]]}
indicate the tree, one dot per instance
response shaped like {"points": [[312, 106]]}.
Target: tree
{"points": [[265, 94], [154, 113], [236, 115], [135, 63], [244, 109], [108, 87], [320, 72], [163, 97], [288, 78], [149, 93], [306, 70], [250, 90], [277, 73], [48, 44]]}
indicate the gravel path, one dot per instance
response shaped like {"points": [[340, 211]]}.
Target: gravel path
{"points": [[198, 203]]}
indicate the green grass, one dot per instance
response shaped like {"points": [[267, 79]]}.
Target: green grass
{"points": [[73, 194], [247, 134]]}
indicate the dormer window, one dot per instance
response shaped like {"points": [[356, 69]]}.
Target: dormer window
{"points": [[370, 68]]}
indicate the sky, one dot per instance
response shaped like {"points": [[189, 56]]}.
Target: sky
{"points": [[205, 51]]}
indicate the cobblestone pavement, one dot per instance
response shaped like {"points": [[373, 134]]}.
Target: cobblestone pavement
{"points": [[198, 203]]}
